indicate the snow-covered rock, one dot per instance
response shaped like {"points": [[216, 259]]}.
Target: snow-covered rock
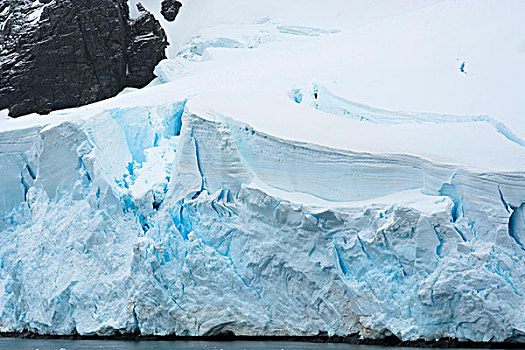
{"points": [[58, 54], [236, 195]]}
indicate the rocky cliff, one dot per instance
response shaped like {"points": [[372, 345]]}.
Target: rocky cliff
{"points": [[60, 54]]}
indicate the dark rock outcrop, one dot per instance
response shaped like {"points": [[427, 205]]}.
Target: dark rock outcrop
{"points": [[146, 45], [170, 9], [65, 53]]}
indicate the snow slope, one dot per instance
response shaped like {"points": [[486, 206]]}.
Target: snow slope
{"points": [[294, 169]]}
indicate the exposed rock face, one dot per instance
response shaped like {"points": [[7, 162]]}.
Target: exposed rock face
{"points": [[170, 9], [60, 54], [146, 45]]}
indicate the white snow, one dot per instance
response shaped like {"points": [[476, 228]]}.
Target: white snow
{"points": [[4, 115], [297, 167]]}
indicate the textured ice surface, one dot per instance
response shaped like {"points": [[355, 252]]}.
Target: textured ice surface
{"points": [[195, 226], [227, 196]]}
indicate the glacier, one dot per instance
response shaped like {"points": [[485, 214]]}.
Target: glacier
{"points": [[193, 226], [243, 191]]}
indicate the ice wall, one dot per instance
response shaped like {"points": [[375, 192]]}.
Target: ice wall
{"points": [[165, 220]]}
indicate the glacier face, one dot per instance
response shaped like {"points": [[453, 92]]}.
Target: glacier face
{"points": [[169, 220], [233, 194]]}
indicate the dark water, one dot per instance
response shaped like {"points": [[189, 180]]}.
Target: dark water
{"points": [[59, 344]]}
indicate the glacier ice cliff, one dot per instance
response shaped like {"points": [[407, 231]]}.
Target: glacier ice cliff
{"points": [[169, 220]]}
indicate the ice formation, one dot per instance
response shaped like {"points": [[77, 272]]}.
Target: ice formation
{"points": [[236, 195]]}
